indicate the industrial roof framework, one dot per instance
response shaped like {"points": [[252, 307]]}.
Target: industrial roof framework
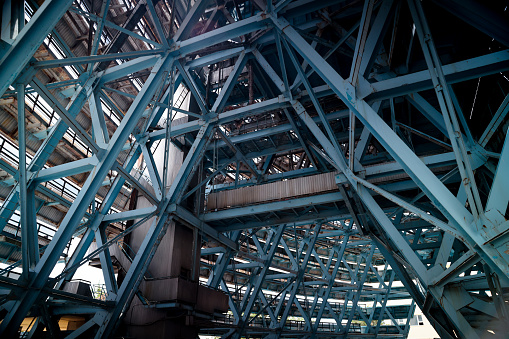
{"points": [[387, 119]]}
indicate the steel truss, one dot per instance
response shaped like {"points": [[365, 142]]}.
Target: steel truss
{"points": [[282, 91]]}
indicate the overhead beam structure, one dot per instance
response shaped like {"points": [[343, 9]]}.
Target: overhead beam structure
{"points": [[319, 168]]}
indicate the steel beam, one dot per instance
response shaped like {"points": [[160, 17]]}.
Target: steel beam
{"points": [[29, 39], [77, 210], [427, 181]]}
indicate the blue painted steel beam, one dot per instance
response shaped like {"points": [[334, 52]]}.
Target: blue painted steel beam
{"points": [[13, 20], [446, 107], [187, 217], [296, 284], [48, 146], [29, 241], [435, 190], [97, 219], [66, 170], [136, 184], [213, 58], [193, 87], [66, 116], [330, 150], [190, 20], [274, 206], [86, 195], [222, 262], [106, 263], [226, 117], [357, 295], [231, 31], [495, 122], [129, 67], [99, 128], [223, 96], [94, 58], [62, 295], [129, 215], [360, 44], [497, 205], [338, 251], [155, 19], [95, 18], [251, 295], [154, 234], [375, 37], [428, 111], [29, 39], [153, 172], [454, 73], [245, 111], [78, 254], [314, 99]]}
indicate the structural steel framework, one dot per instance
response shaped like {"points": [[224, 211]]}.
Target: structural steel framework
{"points": [[401, 104]]}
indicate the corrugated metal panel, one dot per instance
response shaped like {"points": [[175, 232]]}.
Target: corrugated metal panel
{"points": [[52, 214], [289, 189], [272, 192]]}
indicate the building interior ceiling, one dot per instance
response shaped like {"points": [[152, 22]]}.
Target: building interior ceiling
{"points": [[327, 166]]}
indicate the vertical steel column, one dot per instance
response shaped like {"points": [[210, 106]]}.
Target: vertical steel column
{"points": [[361, 42], [27, 252], [106, 263], [446, 106], [28, 224]]}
